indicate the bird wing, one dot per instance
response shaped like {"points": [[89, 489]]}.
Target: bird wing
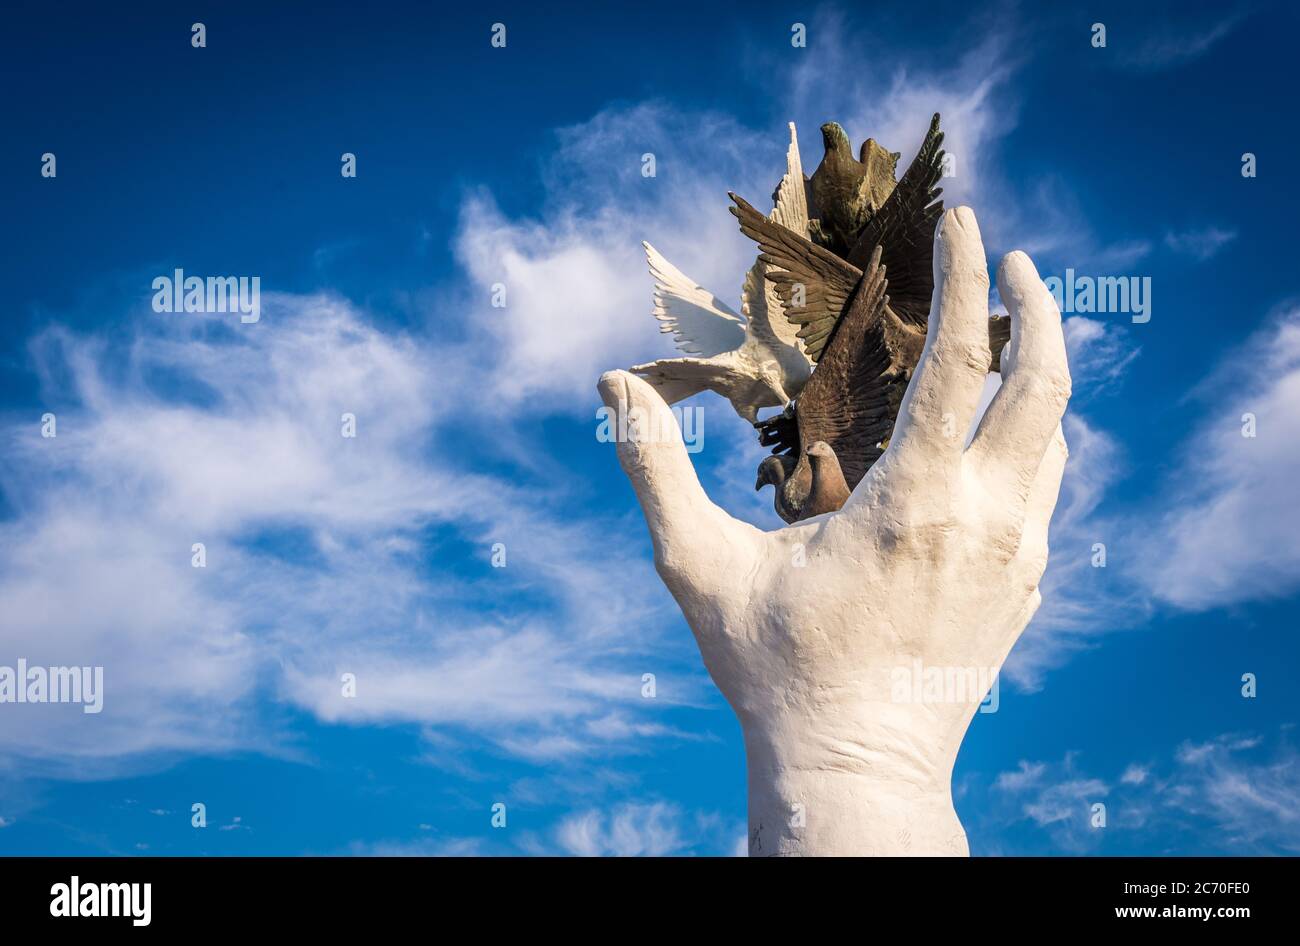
{"points": [[791, 195], [904, 227], [793, 261], [759, 304], [790, 210], [675, 379], [849, 401], [727, 374], [700, 323]]}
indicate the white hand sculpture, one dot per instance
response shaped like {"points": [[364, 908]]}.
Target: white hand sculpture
{"points": [[935, 558]]}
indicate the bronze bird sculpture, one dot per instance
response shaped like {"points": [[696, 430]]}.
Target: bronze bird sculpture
{"points": [[865, 344], [903, 230], [846, 191], [816, 487], [831, 435]]}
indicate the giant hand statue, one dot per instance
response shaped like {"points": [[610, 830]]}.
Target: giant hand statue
{"points": [[933, 562]]}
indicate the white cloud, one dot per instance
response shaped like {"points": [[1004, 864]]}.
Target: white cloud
{"points": [[188, 431], [1252, 803], [623, 829], [1054, 797], [630, 831], [655, 829], [1046, 219], [1026, 775], [1167, 48], [1229, 534], [1201, 244], [425, 847], [1118, 256], [1100, 353], [1076, 592], [1065, 802], [1226, 795], [577, 287], [1134, 775]]}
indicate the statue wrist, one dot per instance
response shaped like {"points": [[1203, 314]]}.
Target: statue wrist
{"points": [[852, 786]]}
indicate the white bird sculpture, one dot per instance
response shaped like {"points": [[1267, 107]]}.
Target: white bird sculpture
{"points": [[754, 360]]}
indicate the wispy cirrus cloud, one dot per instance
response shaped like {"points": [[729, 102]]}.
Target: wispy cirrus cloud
{"points": [[1100, 352], [1202, 243], [1227, 534], [1078, 587], [423, 847], [628, 828], [1174, 45], [1253, 802], [1233, 794], [653, 829]]}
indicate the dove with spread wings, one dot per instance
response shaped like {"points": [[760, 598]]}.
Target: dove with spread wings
{"points": [[753, 359]]}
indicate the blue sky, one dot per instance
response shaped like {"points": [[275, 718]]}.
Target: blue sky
{"points": [[523, 685]]}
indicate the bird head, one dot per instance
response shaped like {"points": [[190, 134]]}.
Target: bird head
{"points": [[835, 140], [873, 151], [820, 451], [771, 472]]}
